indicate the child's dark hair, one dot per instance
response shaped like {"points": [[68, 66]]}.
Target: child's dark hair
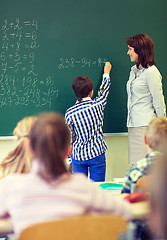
{"points": [[143, 46], [82, 86], [49, 140]]}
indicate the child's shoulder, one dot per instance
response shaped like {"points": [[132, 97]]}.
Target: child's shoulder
{"points": [[70, 109], [79, 106], [142, 165], [13, 178]]}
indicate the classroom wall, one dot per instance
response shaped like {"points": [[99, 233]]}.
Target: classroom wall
{"points": [[116, 154]]}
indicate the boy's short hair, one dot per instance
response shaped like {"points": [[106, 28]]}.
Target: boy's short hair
{"points": [[156, 133], [82, 86]]}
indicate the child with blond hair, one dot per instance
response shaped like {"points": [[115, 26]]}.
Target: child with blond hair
{"points": [[155, 138], [19, 159]]}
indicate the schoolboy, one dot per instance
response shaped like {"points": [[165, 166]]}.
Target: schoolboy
{"points": [[155, 138], [85, 120]]}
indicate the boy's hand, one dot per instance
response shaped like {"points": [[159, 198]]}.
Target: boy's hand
{"points": [[107, 67]]}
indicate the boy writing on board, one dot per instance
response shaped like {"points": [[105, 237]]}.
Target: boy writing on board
{"points": [[85, 120]]}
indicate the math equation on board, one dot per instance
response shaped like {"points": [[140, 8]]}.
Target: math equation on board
{"points": [[66, 63], [20, 83]]}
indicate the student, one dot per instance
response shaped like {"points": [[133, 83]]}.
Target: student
{"points": [[155, 138], [49, 191], [85, 120], [19, 159], [158, 199], [145, 96]]}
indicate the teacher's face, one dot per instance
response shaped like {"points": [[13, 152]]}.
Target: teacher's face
{"points": [[132, 54]]}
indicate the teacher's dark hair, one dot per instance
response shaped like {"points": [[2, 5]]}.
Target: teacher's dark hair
{"points": [[50, 140], [143, 46]]}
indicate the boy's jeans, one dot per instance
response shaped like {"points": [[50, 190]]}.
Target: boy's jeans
{"points": [[96, 166]]}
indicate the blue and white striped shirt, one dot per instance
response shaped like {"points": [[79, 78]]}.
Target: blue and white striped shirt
{"points": [[85, 120]]}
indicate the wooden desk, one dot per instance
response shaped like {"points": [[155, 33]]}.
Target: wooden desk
{"points": [[140, 209]]}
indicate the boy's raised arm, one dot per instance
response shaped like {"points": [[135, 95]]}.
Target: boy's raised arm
{"points": [[107, 67]]}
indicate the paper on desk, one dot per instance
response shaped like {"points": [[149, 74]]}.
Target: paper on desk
{"points": [[118, 180]]}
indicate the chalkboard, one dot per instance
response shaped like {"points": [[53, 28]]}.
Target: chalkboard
{"points": [[45, 44]]}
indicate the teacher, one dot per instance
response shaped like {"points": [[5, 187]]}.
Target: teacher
{"points": [[145, 95]]}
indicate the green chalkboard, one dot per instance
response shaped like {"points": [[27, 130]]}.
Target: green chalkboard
{"points": [[45, 44]]}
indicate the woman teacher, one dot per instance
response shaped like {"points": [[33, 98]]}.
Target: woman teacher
{"points": [[145, 95]]}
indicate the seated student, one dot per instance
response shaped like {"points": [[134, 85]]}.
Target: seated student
{"points": [[85, 120], [49, 191], [155, 137], [19, 159], [157, 218]]}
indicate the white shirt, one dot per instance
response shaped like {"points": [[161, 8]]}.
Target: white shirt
{"points": [[145, 96], [29, 199]]}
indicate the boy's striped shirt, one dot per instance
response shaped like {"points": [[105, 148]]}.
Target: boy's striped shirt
{"points": [[85, 120]]}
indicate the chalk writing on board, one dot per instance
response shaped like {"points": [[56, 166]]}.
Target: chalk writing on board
{"points": [[84, 62], [20, 81]]}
